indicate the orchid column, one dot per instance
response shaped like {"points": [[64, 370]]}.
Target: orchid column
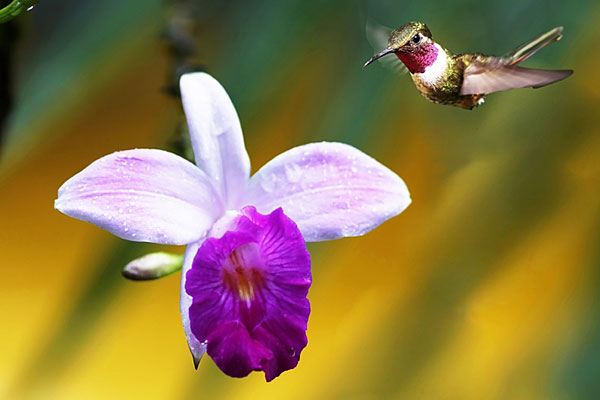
{"points": [[246, 271]]}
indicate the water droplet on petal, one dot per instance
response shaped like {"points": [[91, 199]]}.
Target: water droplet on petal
{"points": [[269, 183], [293, 172]]}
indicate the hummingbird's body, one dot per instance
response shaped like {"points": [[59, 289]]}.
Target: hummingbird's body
{"points": [[463, 80]]}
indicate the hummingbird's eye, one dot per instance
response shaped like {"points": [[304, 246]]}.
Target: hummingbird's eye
{"points": [[416, 39]]}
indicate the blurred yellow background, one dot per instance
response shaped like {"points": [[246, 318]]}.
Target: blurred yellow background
{"points": [[486, 287]]}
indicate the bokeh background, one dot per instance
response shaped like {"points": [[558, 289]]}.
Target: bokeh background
{"points": [[486, 287]]}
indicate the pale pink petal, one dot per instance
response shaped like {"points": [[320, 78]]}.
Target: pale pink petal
{"points": [[185, 301], [216, 135], [143, 195], [331, 190]]}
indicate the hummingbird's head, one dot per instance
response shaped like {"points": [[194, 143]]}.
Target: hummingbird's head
{"points": [[409, 36], [411, 43]]}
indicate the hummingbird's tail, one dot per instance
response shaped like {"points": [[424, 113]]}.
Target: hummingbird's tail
{"points": [[529, 48]]}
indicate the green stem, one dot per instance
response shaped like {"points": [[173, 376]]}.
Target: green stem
{"points": [[15, 8]]}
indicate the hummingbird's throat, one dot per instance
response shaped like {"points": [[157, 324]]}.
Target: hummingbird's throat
{"points": [[418, 59]]}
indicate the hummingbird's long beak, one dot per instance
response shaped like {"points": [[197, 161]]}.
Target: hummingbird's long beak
{"points": [[379, 55]]}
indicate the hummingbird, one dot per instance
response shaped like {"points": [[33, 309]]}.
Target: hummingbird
{"points": [[461, 80]]}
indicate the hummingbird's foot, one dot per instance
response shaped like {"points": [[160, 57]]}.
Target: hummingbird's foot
{"points": [[478, 103]]}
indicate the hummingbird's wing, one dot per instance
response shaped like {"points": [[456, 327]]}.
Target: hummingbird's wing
{"points": [[529, 48], [378, 35], [488, 74], [481, 80]]}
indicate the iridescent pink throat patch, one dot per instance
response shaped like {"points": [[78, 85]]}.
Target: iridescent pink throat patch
{"points": [[418, 60]]}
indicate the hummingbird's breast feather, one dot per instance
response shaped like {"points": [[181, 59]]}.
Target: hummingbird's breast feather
{"points": [[440, 82], [435, 73]]}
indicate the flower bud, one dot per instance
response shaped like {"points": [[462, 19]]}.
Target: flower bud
{"points": [[153, 266]]}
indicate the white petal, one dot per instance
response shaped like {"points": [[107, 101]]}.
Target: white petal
{"points": [[185, 301], [216, 135], [143, 195], [331, 190]]}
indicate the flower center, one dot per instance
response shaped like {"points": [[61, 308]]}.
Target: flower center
{"points": [[243, 271]]}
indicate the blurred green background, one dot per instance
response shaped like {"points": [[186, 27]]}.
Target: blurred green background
{"points": [[486, 287]]}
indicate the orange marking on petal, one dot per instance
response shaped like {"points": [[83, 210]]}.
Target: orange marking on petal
{"points": [[243, 273]]}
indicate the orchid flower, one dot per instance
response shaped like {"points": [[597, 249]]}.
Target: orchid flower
{"points": [[246, 271]]}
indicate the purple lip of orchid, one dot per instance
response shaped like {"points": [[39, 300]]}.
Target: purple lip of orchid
{"points": [[246, 272], [249, 292]]}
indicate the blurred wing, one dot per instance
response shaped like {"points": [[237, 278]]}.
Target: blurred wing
{"points": [[378, 35], [478, 80], [529, 48]]}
